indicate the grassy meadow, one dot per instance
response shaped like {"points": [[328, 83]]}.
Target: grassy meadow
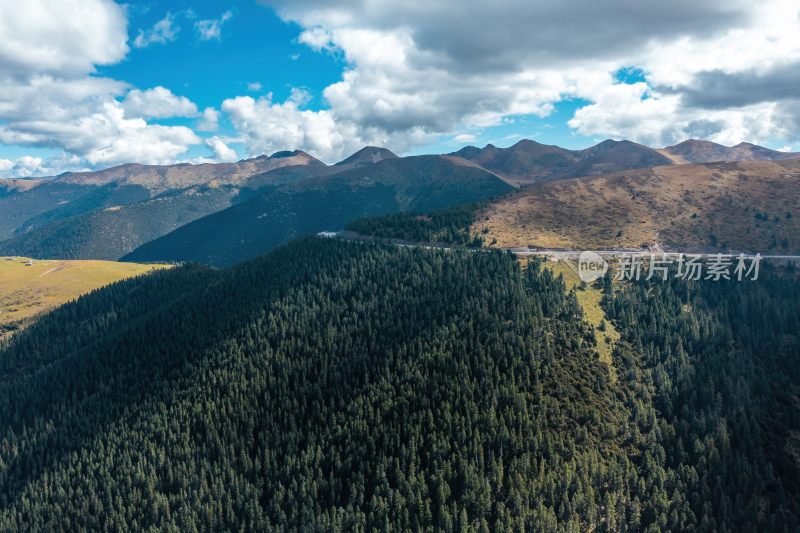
{"points": [[29, 288]]}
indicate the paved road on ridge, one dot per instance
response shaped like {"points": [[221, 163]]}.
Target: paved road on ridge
{"points": [[551, 253]]}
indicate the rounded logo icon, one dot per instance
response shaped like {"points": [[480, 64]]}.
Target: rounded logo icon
{"points": [[591, 266]]}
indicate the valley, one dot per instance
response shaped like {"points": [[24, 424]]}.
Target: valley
{"points": [[274, 217]]}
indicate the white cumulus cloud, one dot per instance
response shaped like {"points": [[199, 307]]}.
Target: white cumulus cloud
{"points": [[32, 166], [162, 32], [269, 126], [222, 152], [52, 97], [209, 120], [158, 102], [60, 38]]}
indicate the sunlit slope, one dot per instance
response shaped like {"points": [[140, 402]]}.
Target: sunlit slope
{"points": [[746, 206], [29, 288]]}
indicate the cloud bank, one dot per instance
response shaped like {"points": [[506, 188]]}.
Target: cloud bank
{"points": [[413, 72], [726, 71], [52, 98]]}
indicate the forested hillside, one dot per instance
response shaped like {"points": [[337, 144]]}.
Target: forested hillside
{"points": [[340, 386], [328, 384], [115, 231], [52, 200], [714, 368], [449, 225], [109, 212]]}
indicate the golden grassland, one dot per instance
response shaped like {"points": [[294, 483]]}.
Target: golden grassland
{"points": [[743, 206], [28, 291], [589, 298]]}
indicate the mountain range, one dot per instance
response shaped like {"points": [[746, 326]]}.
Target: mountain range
{"points": [[25, 208], [223, 213], [108, 213], [418, 183], [696, 151], [530, 162]]}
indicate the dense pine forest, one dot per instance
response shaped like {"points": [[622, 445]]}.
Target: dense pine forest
{"points": [[712, 368], [339, 386], [449, 225]]}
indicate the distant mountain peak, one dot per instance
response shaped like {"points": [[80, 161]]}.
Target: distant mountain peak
{"points": [[697, 142], [367, 155], [530, 145], [607, 143], [286, 153], [468, 152], [701, 151]]}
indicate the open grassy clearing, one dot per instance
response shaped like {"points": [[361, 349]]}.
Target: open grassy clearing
{"points": [[29, 288], [589, 297]]}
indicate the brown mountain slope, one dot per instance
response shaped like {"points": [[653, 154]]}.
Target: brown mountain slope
{"points": [[746, 206], [69, 195], [160, 178], [697, 151], [615, 156], [11, 186], [531, 162], [525, 162], [367, 155]]}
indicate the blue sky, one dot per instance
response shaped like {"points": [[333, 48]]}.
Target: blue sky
{"points": [[94, 83], [257, 47]]}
